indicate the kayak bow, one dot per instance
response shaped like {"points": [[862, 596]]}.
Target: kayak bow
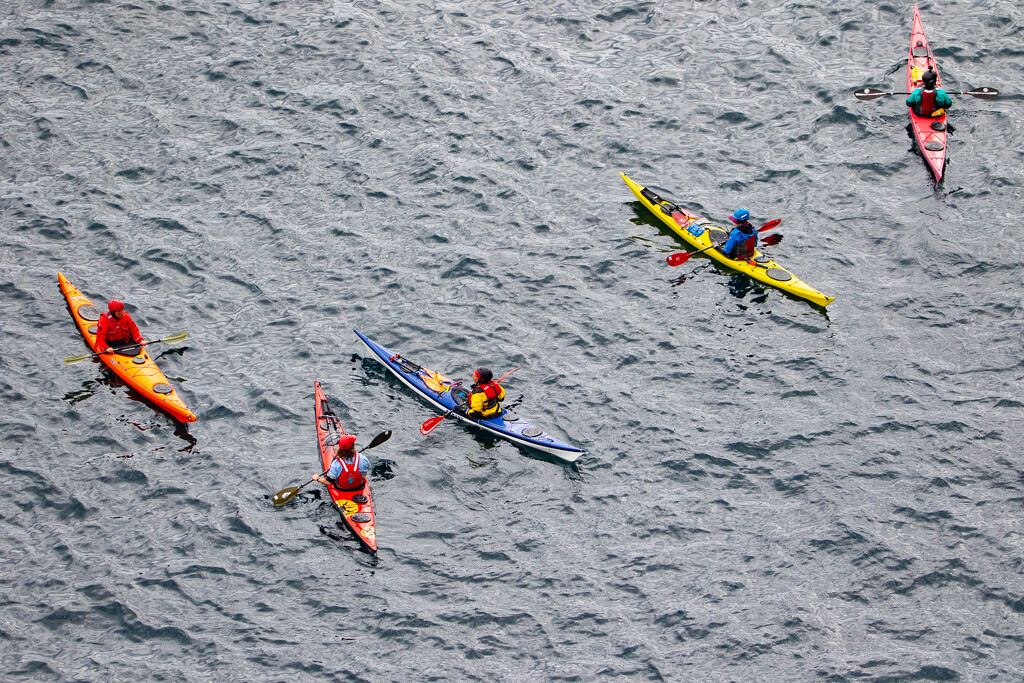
{"points": [[138, 371], [444, 394], [701, 233]]}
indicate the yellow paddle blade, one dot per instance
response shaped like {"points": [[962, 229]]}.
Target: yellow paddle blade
{"points": [[181, 336]]}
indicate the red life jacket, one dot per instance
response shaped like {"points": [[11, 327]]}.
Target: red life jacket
{"points": [[113, 331], [749, 247], [350, 479], [927, 101], [490, 390]]}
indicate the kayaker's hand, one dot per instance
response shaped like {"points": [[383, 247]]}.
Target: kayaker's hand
{"points": [[315, 477], [108, 350]]}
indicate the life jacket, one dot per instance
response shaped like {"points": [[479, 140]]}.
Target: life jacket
{"points": [[350, 479], [927, 102], [746, 248], [116, 332], [491, 391]]}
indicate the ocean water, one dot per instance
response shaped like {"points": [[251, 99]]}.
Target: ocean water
{"points": [[771, 490]]}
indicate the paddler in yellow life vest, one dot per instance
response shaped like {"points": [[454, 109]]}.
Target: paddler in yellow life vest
{"points": [[486, 396], [348, 469]]}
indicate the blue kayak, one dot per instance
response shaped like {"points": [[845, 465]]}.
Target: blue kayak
{"points": [[444, 394]]}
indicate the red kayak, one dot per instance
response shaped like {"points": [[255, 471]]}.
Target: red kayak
{"points": [[356, 507], [929, 132]]}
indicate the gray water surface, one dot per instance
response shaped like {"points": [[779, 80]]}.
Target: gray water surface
{"points": [[771, 491]]}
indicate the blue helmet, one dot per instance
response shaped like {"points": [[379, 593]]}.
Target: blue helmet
{"points": [[741, 214]]}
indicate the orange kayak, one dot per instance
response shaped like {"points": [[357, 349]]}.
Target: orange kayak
{"points": [[356, 507], [137, 371]]}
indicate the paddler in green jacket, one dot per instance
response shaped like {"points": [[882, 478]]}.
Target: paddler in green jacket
{"points": [[929, 101], [486, 397]]}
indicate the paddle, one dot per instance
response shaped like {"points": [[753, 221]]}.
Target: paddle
{"points": [[430, 424], [167, 340], [681, 257], [284, 495], [871, 94]]}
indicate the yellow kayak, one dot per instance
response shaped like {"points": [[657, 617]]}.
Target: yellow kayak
{"points": [[701, 233]]}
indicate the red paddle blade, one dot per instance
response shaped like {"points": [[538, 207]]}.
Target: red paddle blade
{"points": [[429, 425], [772, 240], [769, 225], [678, 258], [505, 375]]}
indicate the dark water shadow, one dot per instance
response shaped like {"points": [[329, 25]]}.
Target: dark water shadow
{"points": [[109, 379], [344, 535]]}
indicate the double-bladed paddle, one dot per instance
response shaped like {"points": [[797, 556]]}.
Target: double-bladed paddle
{"points": [[284, 495], [166, 340], [429, 425], [681, 257], [871, 93]]}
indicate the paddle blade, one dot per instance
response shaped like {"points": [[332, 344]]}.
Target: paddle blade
{"points": [[74, 359], [869, 94], [379, 439], [984, 92], [181, 336], [429, 425], [678, 258], [498, 381], [769, 225], [772, 240], [283, 496]]}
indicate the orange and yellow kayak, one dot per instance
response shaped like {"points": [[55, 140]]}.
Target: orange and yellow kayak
{"points": [[137, 371], [356, 507]]}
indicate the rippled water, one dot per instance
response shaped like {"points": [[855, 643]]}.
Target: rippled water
{"points": [[771, 492]]}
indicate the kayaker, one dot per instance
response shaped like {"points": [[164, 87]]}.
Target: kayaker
{"points": [[486, 396], [116, 328], [929, 101], [742, 239], [348, 468]]}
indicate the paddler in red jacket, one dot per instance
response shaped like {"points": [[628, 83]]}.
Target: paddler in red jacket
{"points": [[348, 468], [486, 397], [116, 328]]}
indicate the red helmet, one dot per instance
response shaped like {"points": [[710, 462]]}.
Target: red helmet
{"points": [[115, 305], [346, 441]]}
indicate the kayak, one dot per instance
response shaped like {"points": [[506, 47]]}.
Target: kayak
{"points": [[444, 394], [356, 507], [133, 366], [701, 233], [929, 132]]}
